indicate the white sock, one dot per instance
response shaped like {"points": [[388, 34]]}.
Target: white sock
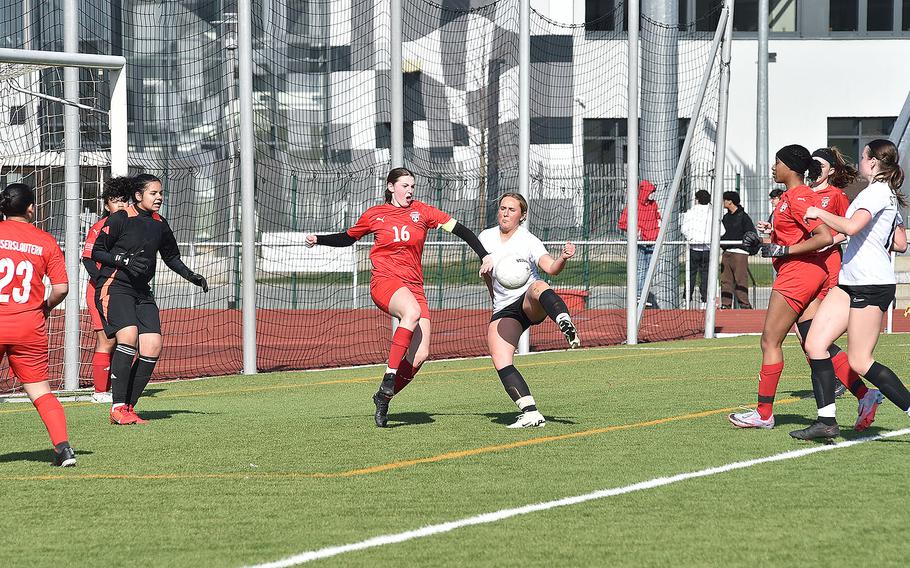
{"points": [[563, 316], [390, 370], [827, 411], [525, 402], [117, 405]]}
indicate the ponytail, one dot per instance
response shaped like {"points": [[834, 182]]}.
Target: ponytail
{"points": [[890, 170], [15, 200]]}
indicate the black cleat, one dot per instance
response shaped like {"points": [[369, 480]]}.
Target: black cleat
{"points": [[568, 329], [382, 409], [66, 457], [839, 389], [816, 431]]}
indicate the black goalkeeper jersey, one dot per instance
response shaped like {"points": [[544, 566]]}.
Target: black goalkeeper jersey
{"points": [[140, 232]]}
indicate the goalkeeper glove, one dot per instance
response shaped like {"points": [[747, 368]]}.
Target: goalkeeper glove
{"points": [[199, 280], [131, 262], [752, 242], [771, 250]]}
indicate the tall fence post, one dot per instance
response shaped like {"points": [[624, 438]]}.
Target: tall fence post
{"points": [[72, 144], [632, 177], [247, 184]]}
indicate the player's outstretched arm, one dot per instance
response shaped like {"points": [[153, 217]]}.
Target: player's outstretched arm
{"points": [[554, 266], [468, 236], [342, 239]]}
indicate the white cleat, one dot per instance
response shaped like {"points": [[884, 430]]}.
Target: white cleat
{"points": [[865, 412], [102, 398], [532, 419], [750, 419]]}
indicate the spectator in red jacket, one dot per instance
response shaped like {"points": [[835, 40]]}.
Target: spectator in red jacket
{"points": [[648, 227]]}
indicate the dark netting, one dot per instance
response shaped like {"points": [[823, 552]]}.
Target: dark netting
{"points": [[321, 91]]}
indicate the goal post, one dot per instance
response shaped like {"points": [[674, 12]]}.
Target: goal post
{"points": [[34, 152]]}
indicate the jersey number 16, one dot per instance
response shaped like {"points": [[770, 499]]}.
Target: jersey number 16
{"points": [[402, 234]]}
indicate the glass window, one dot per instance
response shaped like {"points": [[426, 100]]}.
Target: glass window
{"points": [[880, 15], [850, 135], [745, 16], [782, 16], [843, 15], [707, 14], [17, 115], [602, 15], [905, 16], [604, 141]]}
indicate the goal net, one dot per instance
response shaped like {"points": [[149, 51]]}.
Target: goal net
{"points": [[33, 100]]}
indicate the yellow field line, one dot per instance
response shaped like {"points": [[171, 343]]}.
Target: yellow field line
{"points": [[422, 374], [393, 465]]}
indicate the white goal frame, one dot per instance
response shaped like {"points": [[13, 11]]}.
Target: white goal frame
{"points": [[71, 62]]}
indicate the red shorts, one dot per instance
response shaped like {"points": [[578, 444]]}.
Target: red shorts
{"points": [[382, 289], [25, 346], [93, 308], [832, 263], [801, 281]]}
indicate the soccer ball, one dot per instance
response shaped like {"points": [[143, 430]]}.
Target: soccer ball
{"points": [[512, 271]]}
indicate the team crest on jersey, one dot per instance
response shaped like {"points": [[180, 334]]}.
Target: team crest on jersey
{"points": [[783, 206], [825, 201], [415, 216]]}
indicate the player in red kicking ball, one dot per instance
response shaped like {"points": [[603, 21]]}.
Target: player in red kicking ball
{"points": [[27, 255], [400, 226]]}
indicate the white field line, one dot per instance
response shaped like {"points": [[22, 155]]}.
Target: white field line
{"points": [[495, 516]]}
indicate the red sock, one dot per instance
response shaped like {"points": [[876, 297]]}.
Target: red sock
{"points": [[405, 375], [51, 412], [401, 340], [767, 388], [101, 371], [848, 376]]}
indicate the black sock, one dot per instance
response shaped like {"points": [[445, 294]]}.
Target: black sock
{"points": [[823, 379], [891, 386], [121, 363], [387, 386], [514, 383], [553, 304], [144, 367]]}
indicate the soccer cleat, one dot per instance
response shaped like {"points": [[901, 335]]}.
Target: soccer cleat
{"points": [[102, 397], [382, 409], [139, 419], [122, 415], [839, 389], [531, 419], [568, 329], [868, 405], [816, 431], [66, 457], [750, 419]]}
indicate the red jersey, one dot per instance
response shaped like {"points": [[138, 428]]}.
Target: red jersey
{"points": [[790, 225], [27, 254], [833, 200], [400, 233]]}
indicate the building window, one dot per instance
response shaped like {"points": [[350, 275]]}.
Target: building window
{"points": [[605, 16], [604, 142], [879, 15], [707, 15], [905, 16], [850, 135], [17, 115], [843, 15], [781, 16]]}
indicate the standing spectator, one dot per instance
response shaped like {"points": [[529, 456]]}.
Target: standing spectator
{"points": [[774, 199], [734, 278], [648, 227], [696, 227]]}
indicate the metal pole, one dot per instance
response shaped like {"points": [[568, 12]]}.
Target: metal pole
{"points": [[761, 125], [524, 122], [247, 184], [397, 89], [632, 178], [668, 207], [118, 121], [719, 163], [72, 145]]}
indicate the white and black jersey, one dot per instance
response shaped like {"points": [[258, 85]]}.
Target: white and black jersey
{"points": [[867, 260], [523, 244]]}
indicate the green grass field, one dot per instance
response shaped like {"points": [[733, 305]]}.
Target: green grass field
{"points": [[237, 471]]}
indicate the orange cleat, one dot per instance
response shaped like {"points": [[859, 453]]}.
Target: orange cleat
{"points": [[123, 415], [138, 419]]}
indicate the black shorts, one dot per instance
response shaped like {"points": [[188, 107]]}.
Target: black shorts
{"points": [[881, 295], [516, 312], [118, 311]]}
